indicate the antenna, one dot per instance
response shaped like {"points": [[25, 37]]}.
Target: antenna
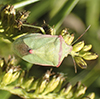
{"points": [[81, 34]]}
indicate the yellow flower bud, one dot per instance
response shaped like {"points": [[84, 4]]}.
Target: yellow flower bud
{"points": [[52, 84], [14, 76], [27, 83], [11, 60], [90, 56], [78, 46], [1, 30], [81, 91], [21, 78], [91, 95], [34, 84], [1, 63], [67, 88], [80, 62], [7, 77], [41, 83], [87, 47], [60, 85], [41, 86], [66, 37], [70, 40], [10, 77]]}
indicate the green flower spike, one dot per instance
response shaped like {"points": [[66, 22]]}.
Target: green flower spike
{"points": [[49, 86], [80, 53]]}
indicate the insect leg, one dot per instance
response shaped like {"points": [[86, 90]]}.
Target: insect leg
{"points": [[33, 26]]}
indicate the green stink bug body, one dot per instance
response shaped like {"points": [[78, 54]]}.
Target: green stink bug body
{"points": [[47, 50]]}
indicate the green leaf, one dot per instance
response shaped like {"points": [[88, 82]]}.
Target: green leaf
{"points": [[24, 3], [66, 9], [39, 9]]}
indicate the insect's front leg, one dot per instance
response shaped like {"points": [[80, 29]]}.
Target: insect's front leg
{"points": [[33, 26]]}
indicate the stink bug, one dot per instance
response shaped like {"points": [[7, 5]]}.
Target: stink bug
{"points": [[36, 48], [43, 49], [48, 49]]}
